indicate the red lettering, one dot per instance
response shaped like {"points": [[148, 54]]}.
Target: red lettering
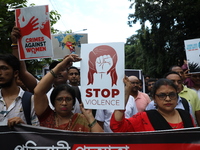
{"points": [[96, 92], [107, 92], [42, 38], [89, 93], [115, 92], [36, 39], [104, 93]]}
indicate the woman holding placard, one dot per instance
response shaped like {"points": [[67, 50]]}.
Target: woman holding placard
{"points": [[165, 117], [63, 99]]}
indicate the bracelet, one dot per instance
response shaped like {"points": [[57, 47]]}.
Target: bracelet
{"points": [[53, 73], [92, 124], [14, 45]]}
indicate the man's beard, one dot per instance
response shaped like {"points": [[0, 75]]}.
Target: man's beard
{"points": [[7, 84]]}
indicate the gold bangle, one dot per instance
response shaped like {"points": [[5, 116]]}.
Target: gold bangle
{"points": [[53, 73], [92, 124], [14, 45]]}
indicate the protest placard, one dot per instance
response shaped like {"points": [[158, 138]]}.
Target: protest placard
{"points": [[192, 48], [65, 44], [102, 73], [35, 40]]}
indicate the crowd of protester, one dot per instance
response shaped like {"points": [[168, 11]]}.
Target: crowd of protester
{"points": [[172, 102]]}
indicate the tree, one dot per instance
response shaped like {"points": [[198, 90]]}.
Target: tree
{"points": [[7, 18], [171, 22], [7, 22]]}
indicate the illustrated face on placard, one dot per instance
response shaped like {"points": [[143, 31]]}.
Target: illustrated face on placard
{"points": [[102, 60], [70, 43]]}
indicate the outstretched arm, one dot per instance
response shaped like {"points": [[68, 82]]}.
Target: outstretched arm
{"points": [[118, 114], [26, 77], [40, 98]]}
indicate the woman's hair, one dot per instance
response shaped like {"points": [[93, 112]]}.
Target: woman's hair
{"points": [[161, 82], [62, 87], [97, 52]]}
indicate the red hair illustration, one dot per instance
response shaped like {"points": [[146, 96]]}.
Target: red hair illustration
{"points": [[101, 51]]}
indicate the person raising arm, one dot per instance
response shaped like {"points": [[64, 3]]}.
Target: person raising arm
{"points": [[165, 117], [63, 99]]}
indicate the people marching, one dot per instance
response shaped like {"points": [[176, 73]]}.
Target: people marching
{"points": [[172, 102]]}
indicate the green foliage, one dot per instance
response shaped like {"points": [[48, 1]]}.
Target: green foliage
{"points": [[54, 17], [64, 32], [7, 21], [162, 44]]}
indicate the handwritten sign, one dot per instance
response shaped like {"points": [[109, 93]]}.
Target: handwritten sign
{"points": [[35, 40], [192, 48], [102, 73]]}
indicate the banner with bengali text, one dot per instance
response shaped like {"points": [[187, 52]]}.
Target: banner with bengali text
{"points": [[25, 137]]}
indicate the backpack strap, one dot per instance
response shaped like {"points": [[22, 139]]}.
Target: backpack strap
{"points": [[157, 120], [185, 104], [26, 105], [186, 118]]}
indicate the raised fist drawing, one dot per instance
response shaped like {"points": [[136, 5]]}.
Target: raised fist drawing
{"points": [[103, 63]]}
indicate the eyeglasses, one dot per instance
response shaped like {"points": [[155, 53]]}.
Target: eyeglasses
{"points": [[62, 99], [163, 96], [134, 82], [73, 73]]}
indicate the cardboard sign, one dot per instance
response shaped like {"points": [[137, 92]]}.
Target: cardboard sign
{"points": [[102, 73], [35, 40], [192, 48], [64, 44]]}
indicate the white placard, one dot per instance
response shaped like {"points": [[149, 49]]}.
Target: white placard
{"points": [[102, 73], [35, 40], [192, 48]]}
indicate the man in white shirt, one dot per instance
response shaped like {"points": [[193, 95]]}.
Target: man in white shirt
{"points": [[11, 108]]}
